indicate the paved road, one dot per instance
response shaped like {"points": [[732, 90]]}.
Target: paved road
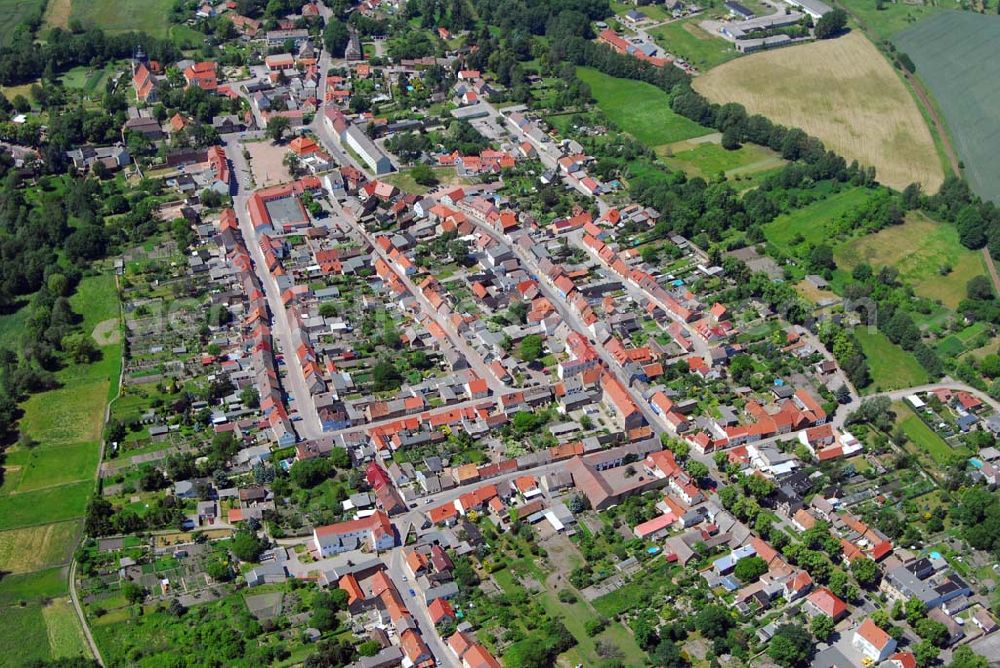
{"points": [[459, 342], [83, 619], [294, 381], [418, 610], [548, 153], [635, 290], [572, 319], [319, 127]]}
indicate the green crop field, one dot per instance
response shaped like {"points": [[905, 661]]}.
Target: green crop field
{"points": [[918, 248], [639, 108], [23, 635], [943, 47], [685, 39], [44, 506], [46, 487], [33, 632], [891, 366], [12, 13], [63, 629], [49, 583], [150, 16], [71, 463], [811, 222]]}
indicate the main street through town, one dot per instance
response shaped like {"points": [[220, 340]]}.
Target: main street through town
{"points": [[294, 381]]}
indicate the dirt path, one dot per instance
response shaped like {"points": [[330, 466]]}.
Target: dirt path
{"points": [[994, 276], [942, 131]]}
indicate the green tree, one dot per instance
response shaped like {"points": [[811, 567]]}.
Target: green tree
{"points": [[915, 610], [791, 646], [134, 593], [821, 257], [741, 369], [385, 376], [925, 653], [865, 571], [277, 126], [424, 175], [932, 630], [80, 347], [749, 569], [713, 621], [964, 657], [335, 37], [219, 570], [696, 469], [308, 473], [821, 627], [979, 288], [667, 654], [530, 348], [247, 546], [831, 24]]}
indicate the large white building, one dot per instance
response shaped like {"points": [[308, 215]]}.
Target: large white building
{"points": [[374, 531], [362, 144]]}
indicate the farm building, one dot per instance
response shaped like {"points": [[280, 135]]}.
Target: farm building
{"points": [[814, 8]]}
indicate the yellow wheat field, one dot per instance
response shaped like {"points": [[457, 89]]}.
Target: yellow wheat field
{"points": [[842, 91]]}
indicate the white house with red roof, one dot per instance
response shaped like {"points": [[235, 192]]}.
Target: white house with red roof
{"points": [[374, 531]]}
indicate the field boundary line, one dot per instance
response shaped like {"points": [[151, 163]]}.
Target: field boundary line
{"points": [[994, 276], [923, 98]]}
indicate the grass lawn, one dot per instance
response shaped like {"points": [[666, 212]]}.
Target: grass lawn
{"points": [[404, 180], [685, 39], [12, 12], [891, 366], [918, 249], [23, 635], [639, 108], [66, 416], [12, 324], [150, 16], [705, 157], [38, 547], [811, 221], [574, 616], [891, 18], [49, 583], [845, 93], [186, 37], [654, 12], [925, 438], [956, 344]]}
